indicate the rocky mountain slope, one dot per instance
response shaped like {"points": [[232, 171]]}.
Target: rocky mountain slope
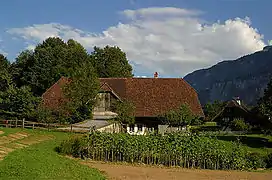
{"points": [[245, 77]]}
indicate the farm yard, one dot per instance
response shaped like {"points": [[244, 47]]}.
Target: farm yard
{"points": [[30, 154]]}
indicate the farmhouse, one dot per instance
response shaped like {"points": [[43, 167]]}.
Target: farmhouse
{"points": [[234, 109], [150, 96]]}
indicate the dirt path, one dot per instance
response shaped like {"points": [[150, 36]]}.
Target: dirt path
{"points": [[18, 140], [129, 172]]}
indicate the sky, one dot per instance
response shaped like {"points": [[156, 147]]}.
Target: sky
{"points": [[172, 37]]}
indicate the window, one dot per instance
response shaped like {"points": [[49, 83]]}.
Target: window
{"points": [[140, 127]]}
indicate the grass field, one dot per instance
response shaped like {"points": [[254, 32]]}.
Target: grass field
{"points": [[38, 160], [253, 142]]}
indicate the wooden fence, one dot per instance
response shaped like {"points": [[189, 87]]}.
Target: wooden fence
{"points": [[45, 126]]}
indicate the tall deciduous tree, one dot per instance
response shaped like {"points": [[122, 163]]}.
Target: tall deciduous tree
{"points": [[80, 93], [14, 102], [18, 102], [5, 79], [49, 61], [4, 63], [111, 62]]}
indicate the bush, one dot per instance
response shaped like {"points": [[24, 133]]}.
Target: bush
{"points": [[72, 146], [176, 149], [239, 125], [197, 121], [255, 161], [268, 160]]}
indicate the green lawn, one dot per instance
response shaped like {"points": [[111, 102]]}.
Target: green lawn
{"points": [[40, 161], [8, 131], [253, 142]]}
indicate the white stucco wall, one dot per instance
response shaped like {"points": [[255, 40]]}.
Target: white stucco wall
{"points": [[136, 131]]}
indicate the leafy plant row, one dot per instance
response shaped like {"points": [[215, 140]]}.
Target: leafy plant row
{"points": [[188, 151]]}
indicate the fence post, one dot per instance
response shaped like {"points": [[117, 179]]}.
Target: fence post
{"points": [[33, 125], [71, 127], [23, 123], [16, 122]]}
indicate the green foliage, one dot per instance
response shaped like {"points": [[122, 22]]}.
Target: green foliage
{"points": [[44, 115], [72, 146], [180, 117], [18, 102], [5, 78], [111, 62], [4, 63], [212, 109], [190, 151], [268, 160], [125, 111], [239, 125], [14, 101], [197, 121], [264, 108], [81, 92], [256, 160], [50, 60]]}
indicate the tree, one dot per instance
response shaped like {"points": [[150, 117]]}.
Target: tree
{"points": [[18, 102], [4, 63], [80, 93], [265, 103], [264, 107], [125, 111], [239, 125], [180, 117], [5, 79], [111, 62], [49, 61], [45, 115], [212, 109], [14, 101]]}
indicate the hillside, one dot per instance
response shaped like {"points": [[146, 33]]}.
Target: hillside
{"points": [[245, 77]]}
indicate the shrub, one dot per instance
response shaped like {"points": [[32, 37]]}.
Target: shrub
{"points": [[72, 146], [239, 125], [255, 161], [268, 160]]}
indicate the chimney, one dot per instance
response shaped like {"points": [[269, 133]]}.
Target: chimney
{"points": [[238, 100], [156, 75]]}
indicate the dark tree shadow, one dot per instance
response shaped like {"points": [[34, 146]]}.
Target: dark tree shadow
{"points": [[254, 142]]}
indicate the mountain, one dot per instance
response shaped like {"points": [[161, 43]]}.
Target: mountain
{"points": [[245, 77]]}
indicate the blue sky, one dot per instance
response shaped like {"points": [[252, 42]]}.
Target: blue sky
{"points": [[174, 37]]}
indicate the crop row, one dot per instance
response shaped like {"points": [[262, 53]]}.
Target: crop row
{"points": [[190, 151]]}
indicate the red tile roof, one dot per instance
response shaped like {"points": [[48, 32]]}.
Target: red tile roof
{"points": [[53, 97], [150, 96]]}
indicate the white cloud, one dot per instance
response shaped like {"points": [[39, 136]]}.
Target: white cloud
{"points": [[3, 52], [169, 40], [1, 49]]}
